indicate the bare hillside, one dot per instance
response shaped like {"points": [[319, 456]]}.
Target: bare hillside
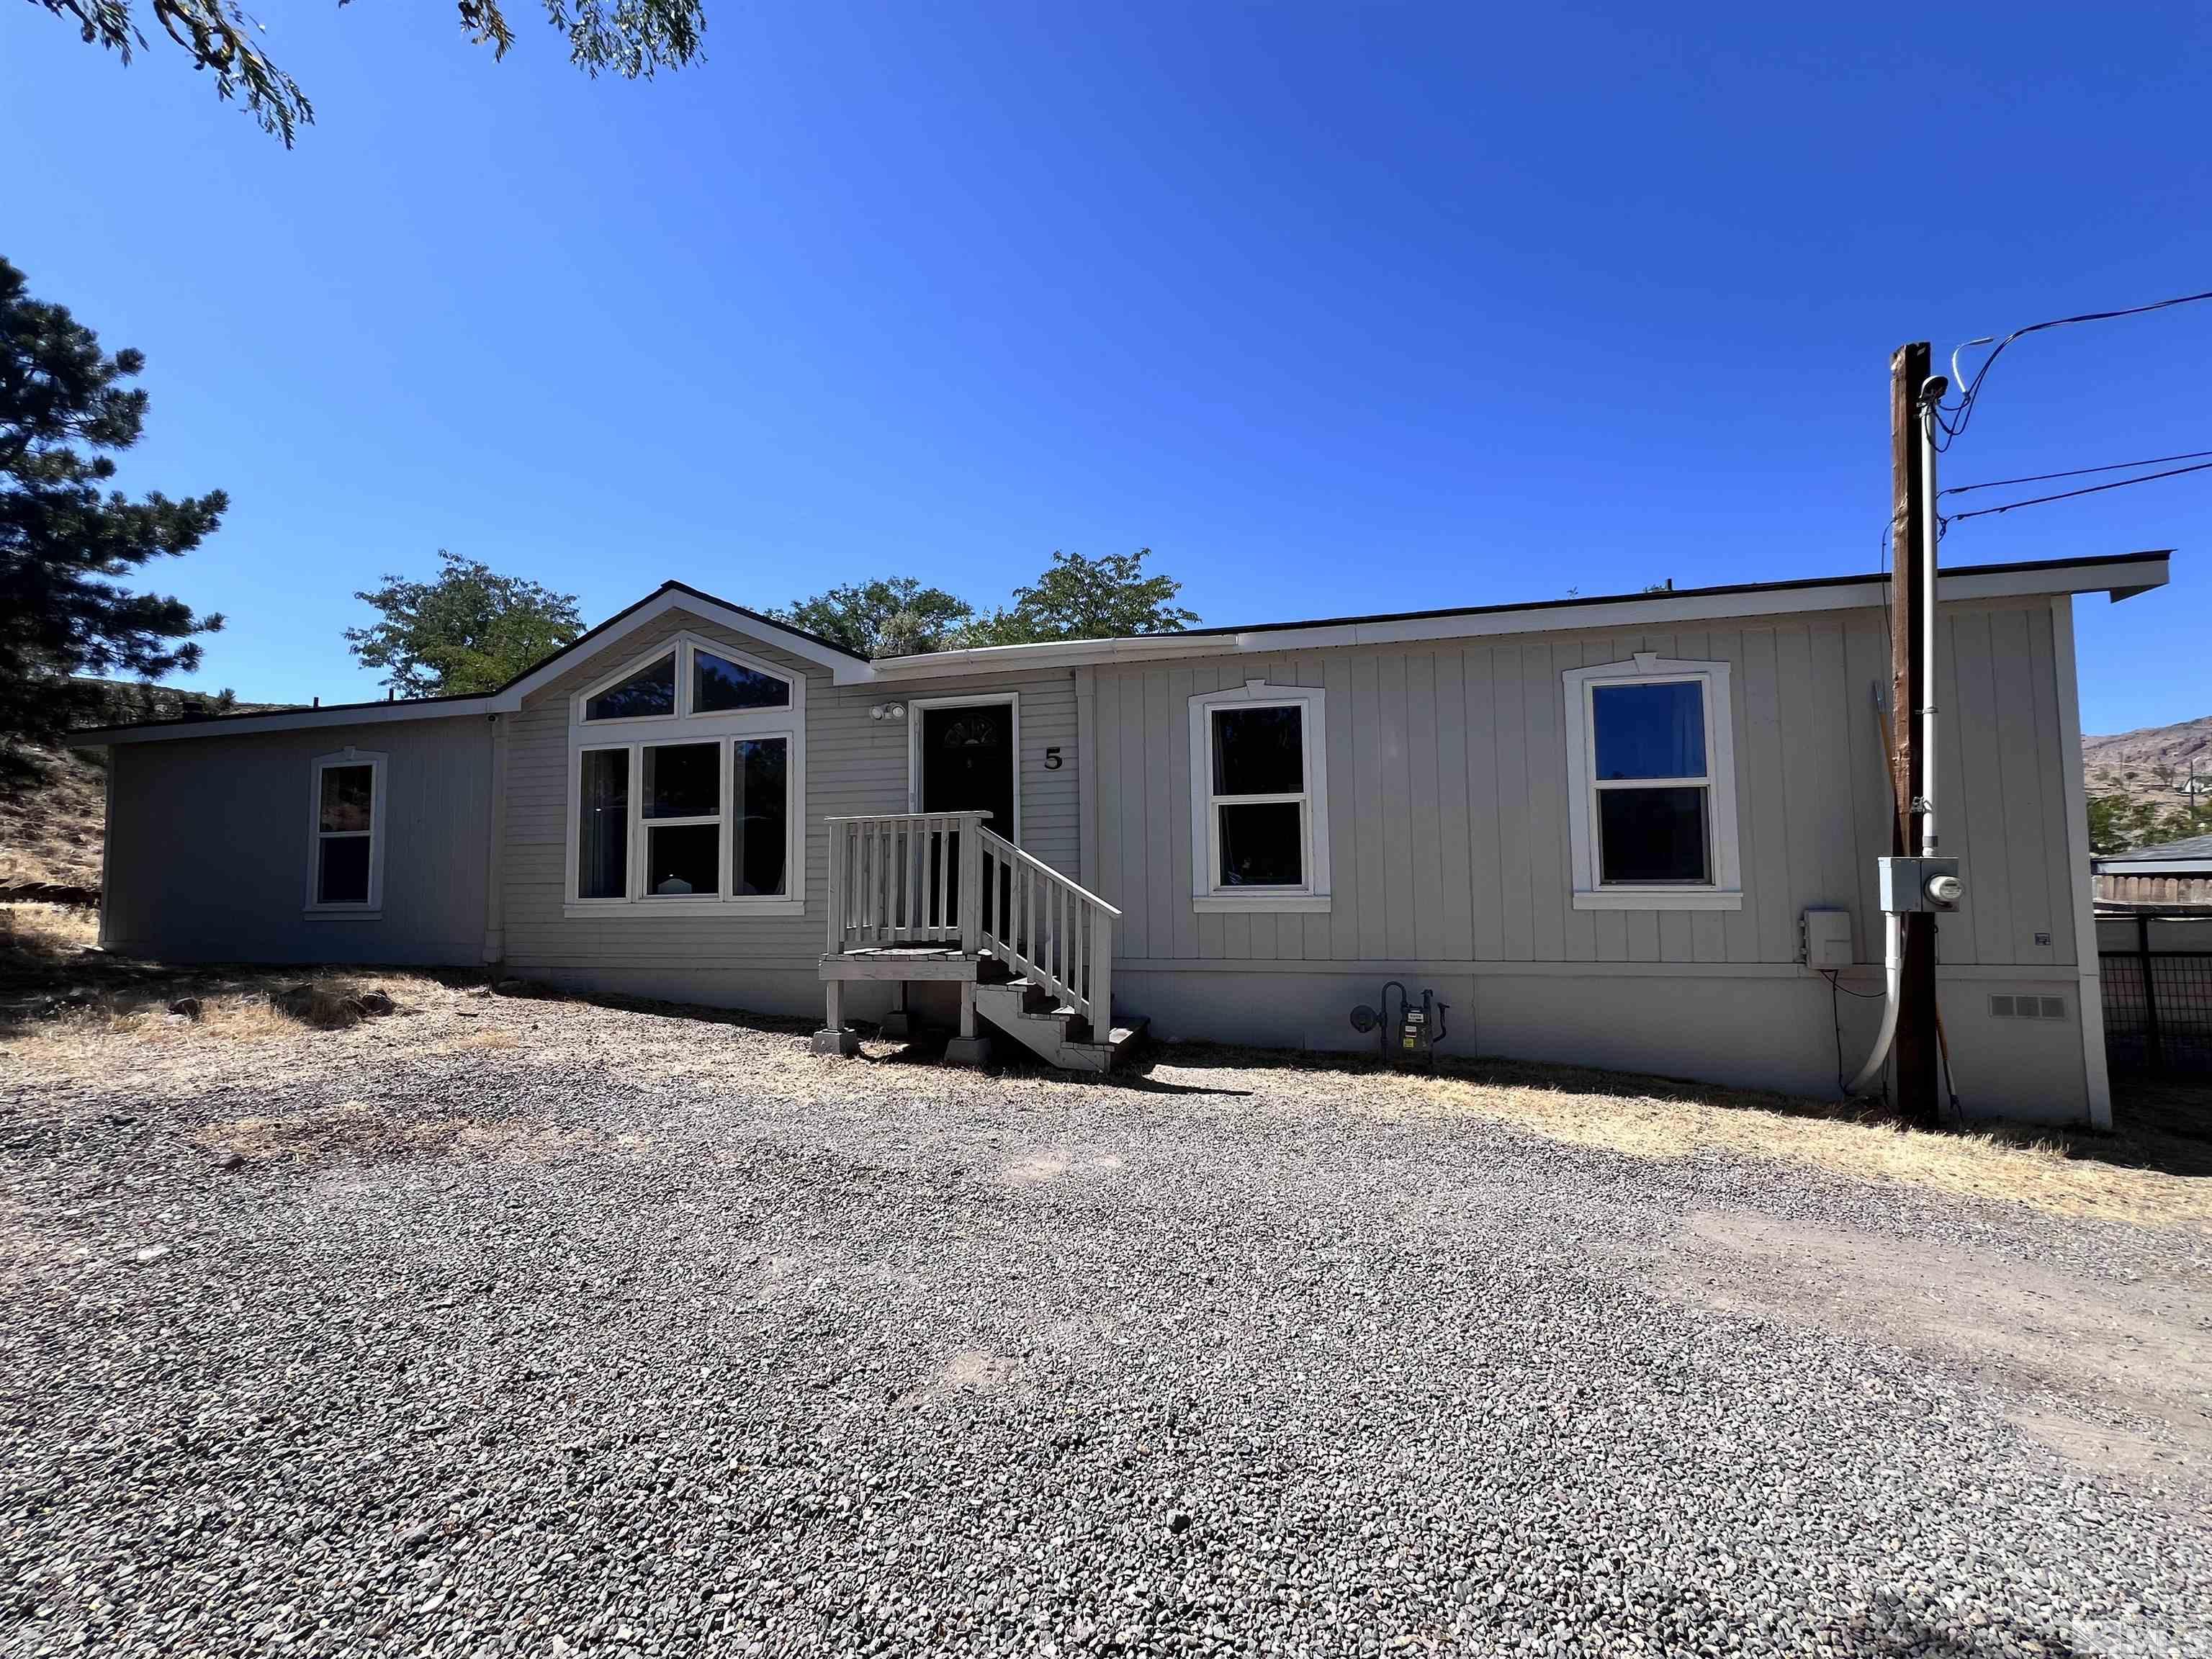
{"points": [[2151, 764], [52, 833]]}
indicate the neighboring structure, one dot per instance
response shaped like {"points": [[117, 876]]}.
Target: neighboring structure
{"points": [[2178, 873], [1592, 826]]}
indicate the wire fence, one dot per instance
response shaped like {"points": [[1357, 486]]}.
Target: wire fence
{"points": [[2158, 1006]]}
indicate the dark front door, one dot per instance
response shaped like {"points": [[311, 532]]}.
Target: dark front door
{"points": [[968, 762], [967, 766]]}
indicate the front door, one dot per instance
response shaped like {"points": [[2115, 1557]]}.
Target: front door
{"points": [[968, 762], [967, 766]]}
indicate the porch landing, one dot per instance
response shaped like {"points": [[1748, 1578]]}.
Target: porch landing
{"points": [[904, 962]]}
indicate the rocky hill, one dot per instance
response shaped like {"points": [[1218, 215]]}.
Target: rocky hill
{"points": [[2153, 762], [2139, 784]]}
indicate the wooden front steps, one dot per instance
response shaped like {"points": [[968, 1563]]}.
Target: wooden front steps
{"points": [[940, 895], [1053, 1032]]}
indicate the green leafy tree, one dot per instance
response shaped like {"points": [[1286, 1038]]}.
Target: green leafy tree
{"points": [[471, 630], [2110, 822], [891, 616], [1084, 598], [633, 39], [2120, 823], [64, 537]]}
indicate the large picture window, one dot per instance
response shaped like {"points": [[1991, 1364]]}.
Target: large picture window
{"points": [[1259, 798], [1651, 760], [345, 834], [688, 785]]}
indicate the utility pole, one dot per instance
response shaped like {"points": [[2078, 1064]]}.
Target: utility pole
{"points": [[1913, 686]]}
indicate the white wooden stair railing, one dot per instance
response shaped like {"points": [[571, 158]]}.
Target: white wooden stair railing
{"points": [[888, 889], [1055, 934], [888, 886]]}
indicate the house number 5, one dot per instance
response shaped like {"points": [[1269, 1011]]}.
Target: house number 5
{"points": [[1052, 760]]}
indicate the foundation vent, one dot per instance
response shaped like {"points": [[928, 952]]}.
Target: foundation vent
{"points": [[2021, 1006]]}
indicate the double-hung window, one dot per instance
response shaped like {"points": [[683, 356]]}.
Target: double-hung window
{"points": [[687, 785], [1651, 770], [345, 834], [1259, 795]]}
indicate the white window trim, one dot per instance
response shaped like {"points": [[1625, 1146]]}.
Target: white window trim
{"points": [[683, 644], [915, 706], [1725, 890], [373, 910], [637, 733], [1312, 895]]}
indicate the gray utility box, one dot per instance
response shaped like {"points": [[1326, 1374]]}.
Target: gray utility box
{"points": [[1905, 884], [1824, 937]]}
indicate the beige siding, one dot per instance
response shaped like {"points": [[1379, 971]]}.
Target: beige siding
{"points": [[854, 764], [1447, 798]]}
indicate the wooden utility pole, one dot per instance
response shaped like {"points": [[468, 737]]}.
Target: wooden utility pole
{"points": [[1911, 689]]}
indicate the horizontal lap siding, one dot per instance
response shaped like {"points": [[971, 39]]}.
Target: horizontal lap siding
{"points": [[1448, 812], [855, 764]]}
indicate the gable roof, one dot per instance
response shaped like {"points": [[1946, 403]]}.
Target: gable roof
{"points": [[681, 596], [2119, 574]]}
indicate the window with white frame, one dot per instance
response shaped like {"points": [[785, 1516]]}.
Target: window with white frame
{"points": [[1258, 796], [1651, 777], [345, 834], [687, 785]]}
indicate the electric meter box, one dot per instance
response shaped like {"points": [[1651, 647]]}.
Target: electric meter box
{"points": [[1907, 884], [1825, 935]]}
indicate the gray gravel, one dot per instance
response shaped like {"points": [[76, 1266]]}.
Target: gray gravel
{"points": [[748, 1351]]}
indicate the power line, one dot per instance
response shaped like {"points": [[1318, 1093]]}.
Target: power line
{"points": [[2075, 472], [1964, 410], [2069, 495]]}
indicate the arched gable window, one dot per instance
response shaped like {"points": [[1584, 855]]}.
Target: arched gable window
{"points": [[687, 785]]}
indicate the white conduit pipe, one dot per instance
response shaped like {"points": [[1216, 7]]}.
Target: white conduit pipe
{"points": [[1931, 532], [1892, 963]]}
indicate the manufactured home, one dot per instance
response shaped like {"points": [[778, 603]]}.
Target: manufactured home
{"points": [[1637, 832]]}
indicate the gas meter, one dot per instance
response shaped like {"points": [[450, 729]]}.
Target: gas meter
{"points": [[1415, 1034]]}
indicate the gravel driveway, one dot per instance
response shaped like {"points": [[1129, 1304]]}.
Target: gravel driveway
{"points": [[536, 1327]]}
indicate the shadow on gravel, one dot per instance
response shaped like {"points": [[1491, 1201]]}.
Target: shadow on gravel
{"points": [[699, 1013], [1910, 1637]]}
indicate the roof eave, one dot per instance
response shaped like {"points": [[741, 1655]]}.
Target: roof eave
{"points": [[2143, 572], [2122, 575]]}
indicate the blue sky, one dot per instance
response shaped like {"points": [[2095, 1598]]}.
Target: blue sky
{"points": [[1336, 308]]}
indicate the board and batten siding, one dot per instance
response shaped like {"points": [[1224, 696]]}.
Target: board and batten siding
{"points": [[1450, 855], [1448, 798], [208, 846], [854, 764]]}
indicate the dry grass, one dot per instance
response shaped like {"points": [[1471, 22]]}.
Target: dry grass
{"points": [[53, 832], [2145, 1176], [136, 1031], [47, 932]]}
